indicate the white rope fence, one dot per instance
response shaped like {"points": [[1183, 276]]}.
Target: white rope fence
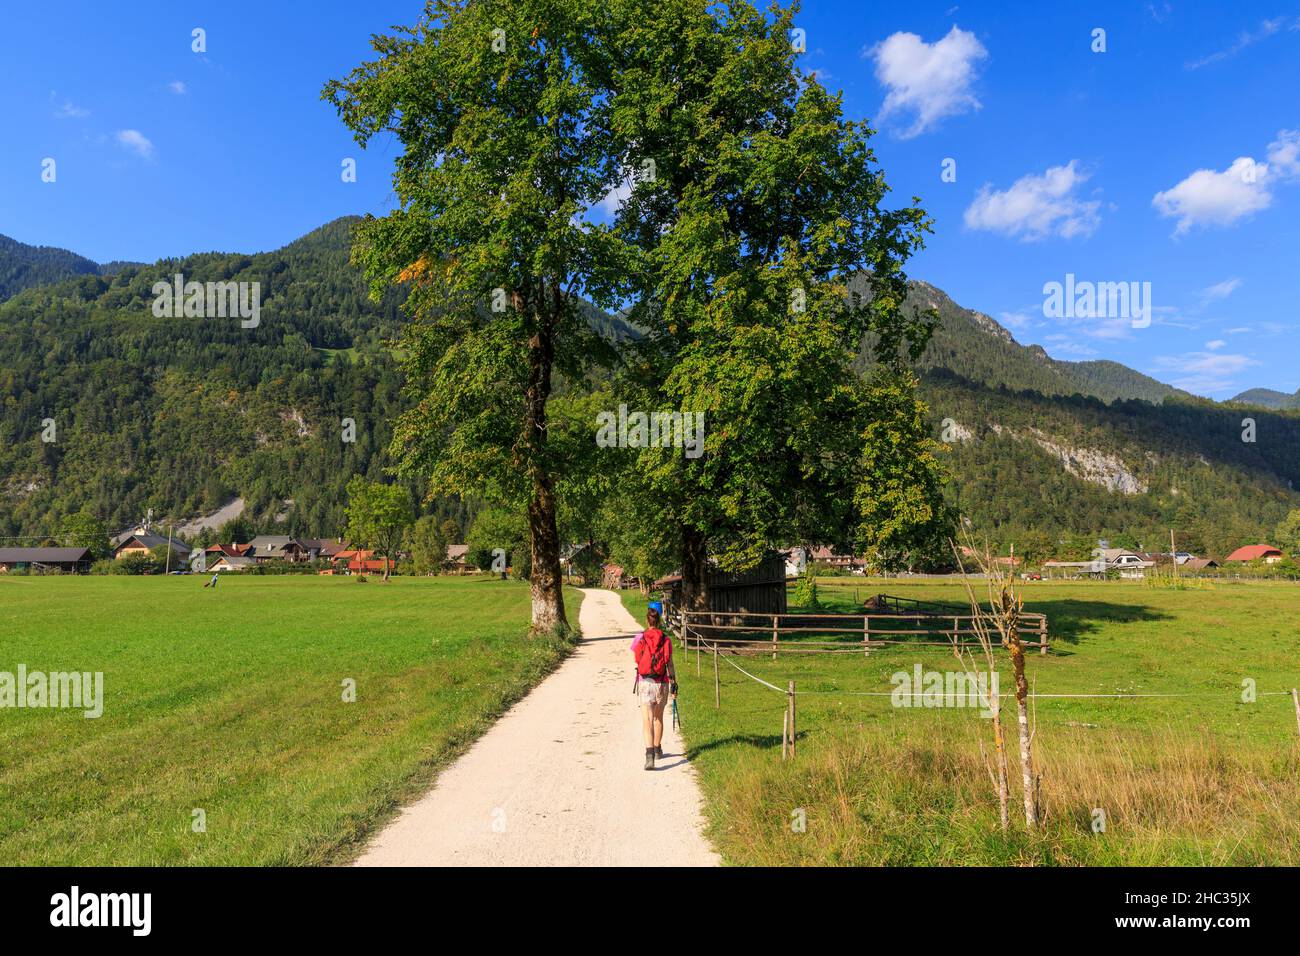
{"points": [[788, 735]]}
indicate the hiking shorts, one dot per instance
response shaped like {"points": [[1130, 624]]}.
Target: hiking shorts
{"points": [[651, 692]]}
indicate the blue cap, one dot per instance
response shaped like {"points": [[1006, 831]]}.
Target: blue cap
{"points": [[658, 606]]}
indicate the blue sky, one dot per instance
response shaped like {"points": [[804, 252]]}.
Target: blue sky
{"points": [[1173, 157]]}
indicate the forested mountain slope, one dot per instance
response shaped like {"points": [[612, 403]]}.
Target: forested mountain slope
{"points": [[182, 415]]}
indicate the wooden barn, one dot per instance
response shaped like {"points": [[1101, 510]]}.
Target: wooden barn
{"points": [[760, 590]]}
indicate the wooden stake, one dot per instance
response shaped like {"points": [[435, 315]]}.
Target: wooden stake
{"points": [[717, 689], [1042, 636], [1295, 699], [775, 636], [866, 634], [793, 725], [785, 733]]}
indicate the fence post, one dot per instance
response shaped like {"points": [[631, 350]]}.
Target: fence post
{"points": [[775, 636], [785, 732], [717, 689], [1295, 699], [793, 726], [866, 635], [1042, 635], [697, 655]]}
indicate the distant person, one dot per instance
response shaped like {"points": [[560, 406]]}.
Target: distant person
{"points": [[656, 680], [213, 583]]}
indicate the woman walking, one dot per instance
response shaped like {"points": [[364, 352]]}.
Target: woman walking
{"points": [[656, 680]]}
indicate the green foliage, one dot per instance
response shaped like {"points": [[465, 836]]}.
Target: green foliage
{"points": [[428, 541], [23, 266], [765, 200], [1287, 534], [136, 563], [377, 516], [498, 529], [804, 593], [85, 530]]}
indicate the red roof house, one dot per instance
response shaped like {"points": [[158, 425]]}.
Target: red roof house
{"points": [[1256, 552]]}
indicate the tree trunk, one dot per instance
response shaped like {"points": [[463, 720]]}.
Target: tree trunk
{"points": [[695, 566], [1022, 716], [544, 538], [1000, 746]]}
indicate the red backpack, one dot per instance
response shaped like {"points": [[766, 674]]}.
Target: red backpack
{"points": [[652, 654]]}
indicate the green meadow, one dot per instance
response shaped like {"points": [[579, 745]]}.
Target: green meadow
{"points": [[1179, 780], [232, 702]]}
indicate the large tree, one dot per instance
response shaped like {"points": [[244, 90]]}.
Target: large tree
{"points": [[493, 104], [762, 205]]}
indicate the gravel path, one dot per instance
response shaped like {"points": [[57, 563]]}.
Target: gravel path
{"points": [[558, 780]]}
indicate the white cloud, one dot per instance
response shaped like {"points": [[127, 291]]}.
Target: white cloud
{"points": [[178, 87], [1221, 290], [1284, 154], [69, 111], [136, 142], [1215, 344], [1239, 330], [1063, 345], [1203, 373], [931, 80], [1244, 39], [1209, 198], [1037, 206]]}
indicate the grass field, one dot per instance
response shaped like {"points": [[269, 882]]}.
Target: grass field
{"points": [[231, 701], [1181, 780]]}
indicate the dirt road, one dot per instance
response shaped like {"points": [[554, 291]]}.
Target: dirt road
{"points": [[558, 781]]}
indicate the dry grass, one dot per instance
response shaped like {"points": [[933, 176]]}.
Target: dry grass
{"points": [[897, 797]]}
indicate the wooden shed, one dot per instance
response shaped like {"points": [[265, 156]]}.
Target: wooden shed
{"points": [[760, 590]]}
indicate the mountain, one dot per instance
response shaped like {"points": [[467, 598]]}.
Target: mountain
{"points": [[23, 266], [977, 347], [184, 416], [1268, 398]]}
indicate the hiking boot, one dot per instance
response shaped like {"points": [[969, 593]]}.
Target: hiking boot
{"points": [[659, 752], [650, 758]]}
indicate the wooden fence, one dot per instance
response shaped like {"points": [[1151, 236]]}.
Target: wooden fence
{"points": [[843, 633]]}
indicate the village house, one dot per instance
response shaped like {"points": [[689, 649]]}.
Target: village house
{"points": [[1128, 564], [276, 547], [1256, 552], [141, 541], [232, 562], [843, 562], [233, 550], [321, 549], [45, 560], [458, 557], [796, 561], [614, 577]]}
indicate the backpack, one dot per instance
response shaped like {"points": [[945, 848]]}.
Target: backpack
{"points": [[651, 659]]}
